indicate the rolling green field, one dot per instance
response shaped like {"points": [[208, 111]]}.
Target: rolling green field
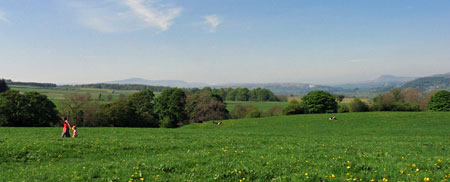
{"points": [[264, 106], [57, 94], [376, 146]]}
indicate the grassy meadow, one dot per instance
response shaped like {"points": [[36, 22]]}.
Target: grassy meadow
{"points": [[376, 146], [264, 106]]}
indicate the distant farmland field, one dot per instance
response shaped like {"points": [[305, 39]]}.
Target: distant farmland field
{"points": [[375, 146], [58, 94], [264, 106]]}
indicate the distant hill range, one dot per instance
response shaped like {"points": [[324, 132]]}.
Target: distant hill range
{"points": [[429, 83], [381, 82], [370, 88], [166, 83], [281, 88]]}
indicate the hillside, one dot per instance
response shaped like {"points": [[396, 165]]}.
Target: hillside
{"points": [[430, 83], [394, 146], [381, 82]]}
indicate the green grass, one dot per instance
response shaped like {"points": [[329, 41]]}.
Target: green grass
{"points": [[360, 146], [264, 106]]}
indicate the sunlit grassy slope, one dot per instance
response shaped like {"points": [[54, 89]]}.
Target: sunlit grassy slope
{"points": [[394, 146]]}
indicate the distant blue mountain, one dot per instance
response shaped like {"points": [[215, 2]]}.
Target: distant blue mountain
{"points": [[380, 82], [167, 83]]}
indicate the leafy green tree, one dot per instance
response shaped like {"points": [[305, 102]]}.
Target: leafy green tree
{"points": [[120, 113], [252, 96], [221, 92], [142, 102], [242, 94], [231, 95], [41, 111], [358, 106], [440, 101], [12, 108], [3, 86], [170, 107], [319, 101], [206, 89], [262, 94], [293, 108], [29, 109], [396, 93]]}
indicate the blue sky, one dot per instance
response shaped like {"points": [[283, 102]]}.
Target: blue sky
{"points": [[229, 41]]}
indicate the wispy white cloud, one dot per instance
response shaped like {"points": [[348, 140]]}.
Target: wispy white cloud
{"points": [[3, 17], [125, 15], [158, 17], [213, 21]]}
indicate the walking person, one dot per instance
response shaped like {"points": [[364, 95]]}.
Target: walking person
{"points": [[66, 129]]}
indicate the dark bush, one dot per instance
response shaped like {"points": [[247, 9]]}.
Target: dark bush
{"points": [[440, 101], [242, 111], [28, 109], [274, 111], [358, 106], [294, 107]]}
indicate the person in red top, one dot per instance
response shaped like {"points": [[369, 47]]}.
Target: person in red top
{"points": [[66, 128]]}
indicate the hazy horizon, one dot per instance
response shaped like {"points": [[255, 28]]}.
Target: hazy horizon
{"points": [[218, 42]]}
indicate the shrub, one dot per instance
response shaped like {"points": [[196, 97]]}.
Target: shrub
{"points": [[320, 102], [343, 108], [242, 111], [358, 106], [256, 113], [440, 101], [274, 111], [294, 107]]}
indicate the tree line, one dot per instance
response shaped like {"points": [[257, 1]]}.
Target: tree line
{"points": [[176, 107], [240, 94], [172, 108], [45, 85], [409, 99]]}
